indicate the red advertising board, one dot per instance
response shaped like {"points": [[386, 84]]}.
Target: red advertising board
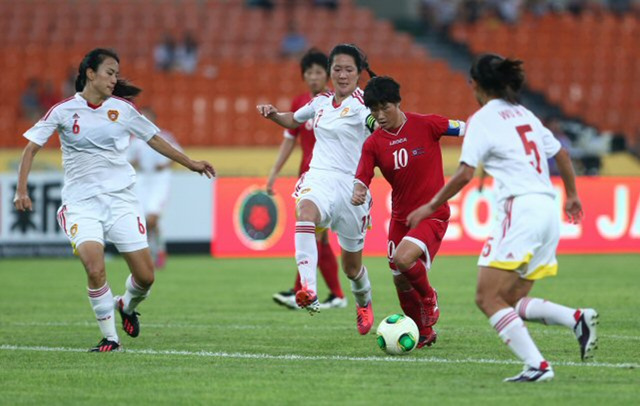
{"points": [[249, 223]]}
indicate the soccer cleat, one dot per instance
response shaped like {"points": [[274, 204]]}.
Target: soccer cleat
{"points": [[364, 318], [530, 374], [432, 311], [287, 299], [585, 331], [334, 302], [161, 260], [427, 338], [130, 323], [106, 345], [307, 299]]}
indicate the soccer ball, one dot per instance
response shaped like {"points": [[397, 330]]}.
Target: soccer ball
{"points": [[397, 334]]}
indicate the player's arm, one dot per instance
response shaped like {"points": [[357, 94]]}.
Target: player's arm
{"points": [[286, 147], [572, 204], [21, 200], [454, 128], [163, 147], [462, 177], [285, 120], [364, 174]]}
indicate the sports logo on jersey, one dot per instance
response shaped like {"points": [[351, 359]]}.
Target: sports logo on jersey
{"points": [[113, 115], [417, 151], [305, 190], [258, 218], [344, 112], [73, 230], [76, 116]]}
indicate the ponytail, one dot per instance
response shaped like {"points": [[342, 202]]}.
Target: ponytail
{"points": [[498, 76]]}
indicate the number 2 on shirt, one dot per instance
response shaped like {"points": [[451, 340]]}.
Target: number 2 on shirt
{"points": [[529, 146]]}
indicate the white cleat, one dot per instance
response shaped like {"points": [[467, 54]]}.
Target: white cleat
{"points": [[530, 374], [286, 299], [334, 302], [585, 331]]}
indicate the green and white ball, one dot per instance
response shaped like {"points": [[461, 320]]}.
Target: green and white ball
{"points": [[397, 334]]}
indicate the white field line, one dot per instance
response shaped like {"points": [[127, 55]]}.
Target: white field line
{"points": [[214, 326], [294, 357]]}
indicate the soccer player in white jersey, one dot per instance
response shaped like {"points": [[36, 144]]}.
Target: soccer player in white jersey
{"points": [[513, 146], [153, 181], [98, 202], [341, 123]]}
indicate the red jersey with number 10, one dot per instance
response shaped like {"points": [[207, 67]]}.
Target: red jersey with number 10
{"points": [[410, 159], [303, 132]]}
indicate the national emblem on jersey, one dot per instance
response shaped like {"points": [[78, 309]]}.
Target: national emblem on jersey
{"points": [[73, 230], [113, 115], [344, 112]]}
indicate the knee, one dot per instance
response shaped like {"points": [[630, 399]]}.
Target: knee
{"points": [[351, 270], [307, 211], [95, 272], [146, 280], [403, 261], [482, 300]]}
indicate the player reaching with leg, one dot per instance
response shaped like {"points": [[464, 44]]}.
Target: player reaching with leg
{"points": [[341, 123], [513, 146], [406, 148], [98, 202], [315, 72]]}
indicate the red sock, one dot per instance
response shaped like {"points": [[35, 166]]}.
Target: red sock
{"points": [[411, 305], [328, 265], [298, 285], [417, 276]]}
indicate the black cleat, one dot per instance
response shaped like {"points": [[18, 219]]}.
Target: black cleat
{"points": [[533, 374], [585, 330], [106, 345], [130, 323]]}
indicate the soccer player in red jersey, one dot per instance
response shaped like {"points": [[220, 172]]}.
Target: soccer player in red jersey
{"points": [[315, 72], [406, 148]]}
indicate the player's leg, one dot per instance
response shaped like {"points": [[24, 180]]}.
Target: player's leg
{"points": [[91, 254], [360, 285], [307, 216], [492, 297], [411, 304], [152, 235], [328, 265]]}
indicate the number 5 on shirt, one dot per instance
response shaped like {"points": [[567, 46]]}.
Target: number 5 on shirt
{"points": [[529, 146]]}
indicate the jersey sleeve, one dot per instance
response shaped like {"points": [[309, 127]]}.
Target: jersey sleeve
{"points": [[43, 129], [140, 126], [364, 173], [305, 112], [550, 143], [476, 145], [440, 126]]}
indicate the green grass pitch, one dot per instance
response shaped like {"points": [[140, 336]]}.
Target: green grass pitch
{"points": [[212, 335]]}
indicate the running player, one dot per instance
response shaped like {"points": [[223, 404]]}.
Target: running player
{"points": [[98, 202], [315, 72], [406, 148], [341, 123], [513, 146], [153, 180]]}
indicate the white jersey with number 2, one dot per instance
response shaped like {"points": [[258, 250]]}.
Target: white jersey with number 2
{"points": [[513, 145], [94, 141], [340, 131]]}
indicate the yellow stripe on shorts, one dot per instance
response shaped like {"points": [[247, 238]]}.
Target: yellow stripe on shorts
{"points": [[542, 272], [510, 265]]}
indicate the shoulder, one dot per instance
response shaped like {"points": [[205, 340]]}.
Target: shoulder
{"points": [[322, 99], [58, 106], [358, 96], [124, 103]]}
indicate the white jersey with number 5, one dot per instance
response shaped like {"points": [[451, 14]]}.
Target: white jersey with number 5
{"points": [[94, 140], [340, 131], [513, 145]]}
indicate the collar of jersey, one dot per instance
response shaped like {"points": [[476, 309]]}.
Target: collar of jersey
{"points": [[395, 134], [90, 105]]}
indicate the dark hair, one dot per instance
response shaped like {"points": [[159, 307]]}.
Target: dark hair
{"points": [[381, 90], [358, 56], [314, 57], [93, 60], [498, 76]]}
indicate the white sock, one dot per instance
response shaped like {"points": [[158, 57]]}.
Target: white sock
{"points": [[133, 295], [542, 311], [361, 287], [514, 333], [307, 254], [102, 302]]}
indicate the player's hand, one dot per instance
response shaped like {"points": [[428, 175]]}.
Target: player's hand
{"points": [[269, 187], [203, 168], [573, 208], [267, 110], [22, 202], [359, 196], [415, 217]]}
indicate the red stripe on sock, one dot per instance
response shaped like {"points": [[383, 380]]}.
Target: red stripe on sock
{"points": [[505, 321], [97, 293]]}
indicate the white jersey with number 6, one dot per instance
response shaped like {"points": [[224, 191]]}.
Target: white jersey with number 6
{"points": [[340, 131], [94, 141], [513, 145]]}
